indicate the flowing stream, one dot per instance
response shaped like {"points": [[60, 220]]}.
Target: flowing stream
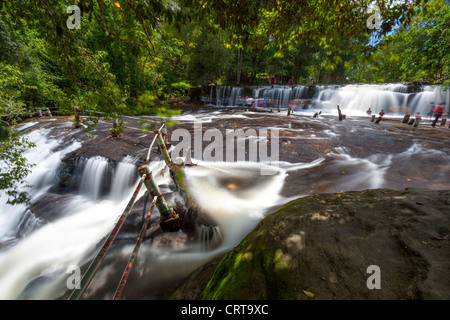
{"points": [[316, 155]]}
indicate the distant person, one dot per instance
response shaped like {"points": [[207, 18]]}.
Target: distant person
{"points": [[438, 112], [431, 112], [381, 113], [312, 80], [418, 117], [369, 112]]}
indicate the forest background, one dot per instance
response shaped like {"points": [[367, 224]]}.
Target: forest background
{"points": [[130, 57]]}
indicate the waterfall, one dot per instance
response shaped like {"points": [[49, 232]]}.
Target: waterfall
{"points": [[35, 266], [124, 176], [277, 96], [235, 97], [395, 98], [46, 162], [221, 97], [209, 236], [421, 102], [93, 176]]}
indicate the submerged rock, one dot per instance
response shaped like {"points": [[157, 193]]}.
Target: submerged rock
{"points": [[327, 246]]}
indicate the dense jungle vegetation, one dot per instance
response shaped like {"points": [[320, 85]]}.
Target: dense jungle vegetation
{"points": [[125, 57]]}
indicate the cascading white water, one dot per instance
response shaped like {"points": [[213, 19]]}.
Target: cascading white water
{"points": [[356, 99], [244, 193], [357, 173], [220, 95], [36, 266], [124, 176], [393, 98], [278, 96], [93, 176], [298, 92], [45, 162], [235, 97], [234, 194], [422, 101]]}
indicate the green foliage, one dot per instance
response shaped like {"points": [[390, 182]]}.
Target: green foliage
{"points": [[419, 51], [15, 167], [180, 89], [132, 57], [427, 53]]}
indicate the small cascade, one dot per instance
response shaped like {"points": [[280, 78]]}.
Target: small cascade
{"points": [[125, 174], [92, 180], [28, 223], [220, 95], [299, 92], [17, 221], [277, 96], [360, 173], [236, 96], [422, 101], [209, 236]]}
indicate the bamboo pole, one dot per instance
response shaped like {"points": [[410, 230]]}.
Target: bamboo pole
{"points": [[134, 254], [163, 131], [151, 185], [163, 149], [95, 264], [77, 117]]}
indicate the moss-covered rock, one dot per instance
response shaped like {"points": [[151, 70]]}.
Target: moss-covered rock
{"points": [[321, 246]]}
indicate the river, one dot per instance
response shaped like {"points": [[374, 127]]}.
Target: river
{"points": [[66, 227]]}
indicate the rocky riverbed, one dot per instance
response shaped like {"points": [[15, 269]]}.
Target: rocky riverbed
{"points": [[342, 207]]}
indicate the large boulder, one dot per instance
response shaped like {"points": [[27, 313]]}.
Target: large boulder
{"points": [[338, 246]]}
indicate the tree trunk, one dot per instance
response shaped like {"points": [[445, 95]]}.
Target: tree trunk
{"points": [[239, 66]]}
